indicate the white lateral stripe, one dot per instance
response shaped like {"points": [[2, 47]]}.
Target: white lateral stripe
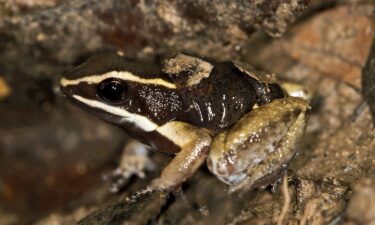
{"points": [[141, 121], [123, 75]]}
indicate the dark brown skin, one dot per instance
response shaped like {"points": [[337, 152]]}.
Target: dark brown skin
{"points": [[224, 98]]}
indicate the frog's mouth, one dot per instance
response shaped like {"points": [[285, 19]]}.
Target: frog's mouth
{"points": [[114, 114], [98, 112]]}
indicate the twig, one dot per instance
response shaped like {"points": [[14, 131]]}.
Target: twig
{"points": [[286, 204]]}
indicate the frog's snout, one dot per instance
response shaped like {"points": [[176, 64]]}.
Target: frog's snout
{"points": [[65, 90]]}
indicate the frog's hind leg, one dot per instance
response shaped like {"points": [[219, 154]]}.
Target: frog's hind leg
{"points": [[276, 160], [255, 150]]}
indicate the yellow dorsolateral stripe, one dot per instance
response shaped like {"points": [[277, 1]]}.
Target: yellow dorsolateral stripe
{"points": [[123, 75]]}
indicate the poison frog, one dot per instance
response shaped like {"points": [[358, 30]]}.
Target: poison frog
{"points": [[239, 120]]}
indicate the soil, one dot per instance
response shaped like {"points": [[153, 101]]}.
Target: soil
{"points": [[53, 156]]}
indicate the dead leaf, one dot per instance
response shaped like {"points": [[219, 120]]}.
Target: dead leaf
{"points": [[335, 42]]}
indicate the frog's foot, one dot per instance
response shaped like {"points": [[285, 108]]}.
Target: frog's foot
{"points": [[134, 161], [194, 144], [255, 150]]}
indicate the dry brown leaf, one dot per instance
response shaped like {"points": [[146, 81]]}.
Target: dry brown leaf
{"points": [[335, 42]]}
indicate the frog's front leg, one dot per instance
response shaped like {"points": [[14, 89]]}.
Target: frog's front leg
{"points": [[194, 144], [135, 161], [259, 144]]}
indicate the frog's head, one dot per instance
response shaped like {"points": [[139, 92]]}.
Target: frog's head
{"points": [[121, 91]]}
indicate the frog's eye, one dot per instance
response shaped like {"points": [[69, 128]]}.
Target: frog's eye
{"points": [[112, 90]]}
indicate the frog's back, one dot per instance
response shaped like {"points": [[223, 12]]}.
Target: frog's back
{"points": [[219, 100], [223, 96]]}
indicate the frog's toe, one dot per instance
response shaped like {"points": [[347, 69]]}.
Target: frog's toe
{"points": [[258, 180], [233, 179]]}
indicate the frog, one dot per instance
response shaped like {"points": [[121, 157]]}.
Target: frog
{"points": [[241, 121]]}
